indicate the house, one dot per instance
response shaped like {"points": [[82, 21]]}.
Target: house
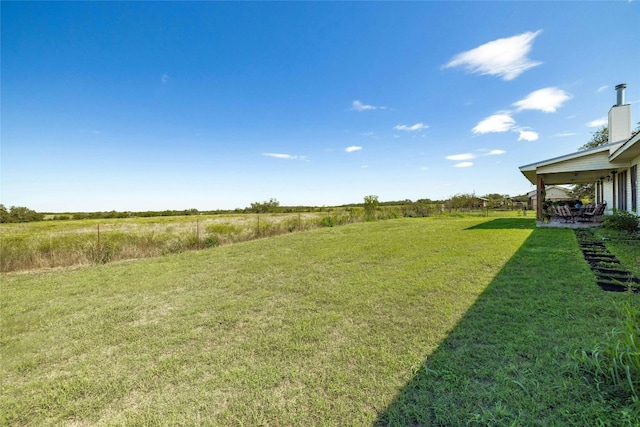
{"points": [[612, 167], [554, 193]]}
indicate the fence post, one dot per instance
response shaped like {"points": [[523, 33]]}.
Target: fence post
{"points": [[198, 233]]}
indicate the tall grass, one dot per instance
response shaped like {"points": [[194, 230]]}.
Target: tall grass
{"points": [[51, 244], [613, 365], [63, 243]]}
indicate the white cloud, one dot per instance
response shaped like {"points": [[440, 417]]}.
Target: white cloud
{"points": [[602, 88], [506, 58], [500, 122], [412, 128], [598, 122], [563, 134], [164, 79], [359, 106], [495, 152], [547, 100], [464, 156], [527, 135], [352, 149], [284, 156], [463, 165]]}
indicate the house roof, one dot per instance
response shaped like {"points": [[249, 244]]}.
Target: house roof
{"points": [[533, 193], [628, 150], [584, 166]]}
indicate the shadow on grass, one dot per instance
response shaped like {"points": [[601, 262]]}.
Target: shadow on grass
{"points": [[505, 361], [506, 223]]}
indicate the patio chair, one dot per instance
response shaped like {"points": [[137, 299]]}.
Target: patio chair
{"points": [[563, 212], [595, 214], [587, 208]]}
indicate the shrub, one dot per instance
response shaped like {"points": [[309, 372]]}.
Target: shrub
{"points": [[327, 221], [370, 206], [211, 241], [622, 220]]}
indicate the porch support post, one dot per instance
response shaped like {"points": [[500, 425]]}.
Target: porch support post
{"points": [[540, 196]]}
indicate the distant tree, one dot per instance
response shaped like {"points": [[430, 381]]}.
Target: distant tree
{"points": [[370, 206], [19, 214], [495, 200], [598, 138], [420, 208], [270, 206], [4, 214], [462, 201]]}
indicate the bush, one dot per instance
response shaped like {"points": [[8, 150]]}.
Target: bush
{"points": [[622, 221], [327, 221], [211, 241]]}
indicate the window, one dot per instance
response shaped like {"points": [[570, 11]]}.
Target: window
{"points": [[622, 190], [634, 188]]}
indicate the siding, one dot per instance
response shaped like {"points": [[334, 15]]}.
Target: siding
{"points": [[594, 161]]}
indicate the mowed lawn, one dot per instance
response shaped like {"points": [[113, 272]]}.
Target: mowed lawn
{"points": [[403, 322]]}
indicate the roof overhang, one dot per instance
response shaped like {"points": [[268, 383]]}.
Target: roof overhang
{"points": [[575, 168], [627, 151]]}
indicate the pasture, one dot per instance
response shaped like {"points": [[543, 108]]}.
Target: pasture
{"points": [[430, 321], [56, 243]]}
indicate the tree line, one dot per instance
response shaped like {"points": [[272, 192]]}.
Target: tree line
{"points": [[421, 207], [19, 214]]}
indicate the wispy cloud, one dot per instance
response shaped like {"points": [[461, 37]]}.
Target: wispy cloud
{"points": [[464, 156], [285, 156], [412, 128], [505, 58], [547, 100], [598, 122], [564, 134], [495, 153], [463, 165], [500, 122], [352, 149], [359, 106], [527, 135], [164, 79], [602, 89]]}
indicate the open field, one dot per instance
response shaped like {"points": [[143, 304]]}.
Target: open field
{"points": [[431, 321], [48, 244], [63, 243]]}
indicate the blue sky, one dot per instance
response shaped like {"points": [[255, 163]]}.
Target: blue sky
{"points": [[215, 105]]}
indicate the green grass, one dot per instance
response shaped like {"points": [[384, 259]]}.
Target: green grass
{"points": [[624, 246], [402, 322]]}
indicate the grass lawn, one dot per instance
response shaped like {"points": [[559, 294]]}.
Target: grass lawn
{"points": [[463, 321]]}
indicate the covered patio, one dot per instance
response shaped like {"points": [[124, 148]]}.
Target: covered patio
{"points": [[592, 166]]}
